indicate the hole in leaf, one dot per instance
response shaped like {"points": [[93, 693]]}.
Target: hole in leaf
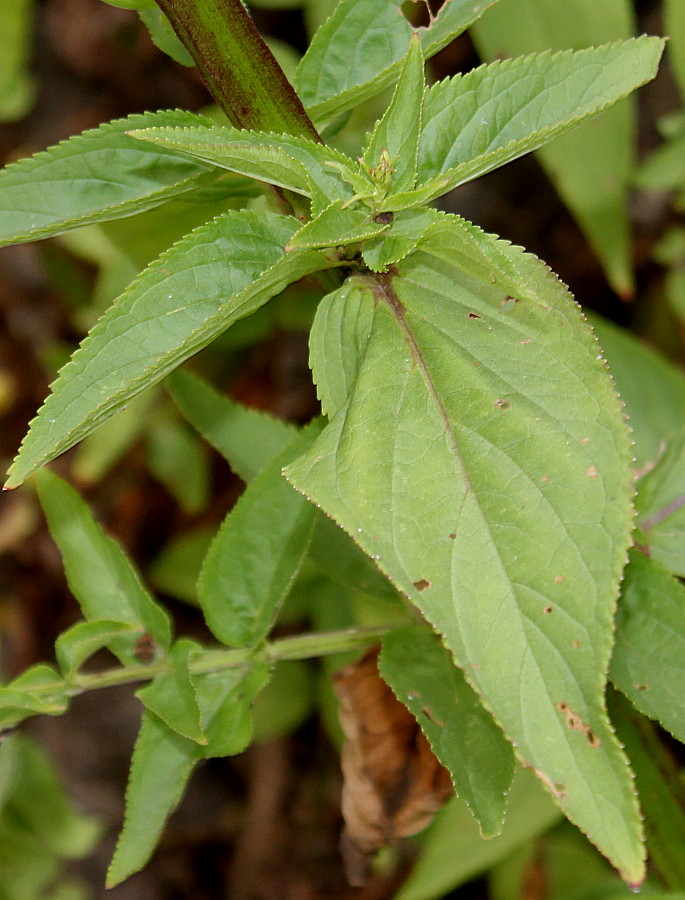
{"points": [[417, 13]]}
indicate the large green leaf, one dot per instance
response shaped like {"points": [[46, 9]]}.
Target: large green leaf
{"points": [[661, 506], [99, 175], [655, 401], [359, 50], [454, 852], [648, 664], [477, 122], [100, 575], [219, 273], [289, 162], [482, 461], [462, 734], [590, 168], [256, 554]]}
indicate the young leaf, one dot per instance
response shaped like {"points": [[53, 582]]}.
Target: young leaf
{"points": [[74, 646], [256, 554], [654, 402], [161, 765], [461, 733], [163, 760], [482, 460], [218, 274], [591, 167], [468, 129], [164, 36], [359, 50], [335, 226], [247, 438], [405, 232], [397, 133], [171, 695], [100, 575], [99, 175], [296, 164], [661, 506], [648, 663], [454, 852]]}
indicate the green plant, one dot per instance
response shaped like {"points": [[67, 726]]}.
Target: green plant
{"points": [[472, 448]]}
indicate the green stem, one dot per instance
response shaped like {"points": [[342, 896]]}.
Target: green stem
{"points": [[301, 646], [238, 67]]}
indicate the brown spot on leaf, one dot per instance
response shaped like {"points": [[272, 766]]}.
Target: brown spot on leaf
{"points": [[384, 218], [574, 722], [429, 714], [393, 784], [422, 584], [473, 315], [592, 472], [145, 648], [558, 579], [548, 609], [575, 644], [453, 536], [502, 404]]}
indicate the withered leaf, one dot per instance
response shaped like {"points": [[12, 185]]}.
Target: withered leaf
{"points": [[393, 784]]}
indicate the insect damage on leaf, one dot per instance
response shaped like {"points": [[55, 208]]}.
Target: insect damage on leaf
{"points": [[393, 784]]}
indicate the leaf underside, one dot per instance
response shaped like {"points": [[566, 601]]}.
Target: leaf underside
{"points": [[481, 460]]}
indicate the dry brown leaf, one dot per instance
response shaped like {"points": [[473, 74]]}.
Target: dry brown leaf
{"points": [[393, 784]]}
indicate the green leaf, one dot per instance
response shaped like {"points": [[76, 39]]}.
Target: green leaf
{"points": [[654, 402], [461, 733], [226, 699], [664, 169], [218, 274], [171, 695], [661, 506], [289, 162], [100, 575], [99, 175], [477, 122], [177, 568], [648, 663], [454, 852], [161, 765], [74, 646], [163, 760], [163, 35], [661, 791], [397, 133], [256, 554], [178, 459], [359, 50], [17, 89], [247, 438], [482, 460], [336, 226], [590, 168]]}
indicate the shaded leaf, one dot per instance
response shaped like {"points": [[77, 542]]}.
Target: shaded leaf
{"points": [[454, 852], [16, 84], [100, 575], [98, 175], [179, 460], [286, 702], [359, 50], [336, 226], [648, 663], [482, 460], [393, 784], [218, 274], [256, 554], [463, 736], [248, 438]]}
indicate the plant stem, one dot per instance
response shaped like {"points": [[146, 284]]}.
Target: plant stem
{"points": [[301, 646], [238, 67]]}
